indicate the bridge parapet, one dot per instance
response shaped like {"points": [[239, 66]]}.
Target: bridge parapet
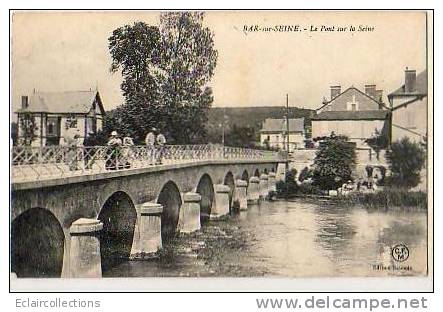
{"points": [[51, 162]]}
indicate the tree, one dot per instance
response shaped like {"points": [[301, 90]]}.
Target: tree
{"points": [[188, 61], [165, 74], [135, 50], [334, 162], [405, 159], [240, 136], [28, 128]]}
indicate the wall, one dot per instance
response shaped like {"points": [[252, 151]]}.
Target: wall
{"points": [[412, 117], [358, 130]]}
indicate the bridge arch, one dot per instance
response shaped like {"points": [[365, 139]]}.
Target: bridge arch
{"points": [[265, 171], [171, 201], [37, 244], [205, 188], [257, 173], [119, 216], [230, 182]]}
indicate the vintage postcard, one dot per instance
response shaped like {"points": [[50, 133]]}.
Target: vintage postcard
{"points": [[220, 144]]}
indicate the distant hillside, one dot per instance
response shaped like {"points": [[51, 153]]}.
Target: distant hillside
{"points": [[251, 116]]}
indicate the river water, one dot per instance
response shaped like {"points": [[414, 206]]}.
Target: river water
{"points": [[293, 239]]}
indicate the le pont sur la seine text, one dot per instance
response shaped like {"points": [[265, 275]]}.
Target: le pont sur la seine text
{"points": [[310, 28]]}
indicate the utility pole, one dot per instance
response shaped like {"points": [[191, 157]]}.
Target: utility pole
{"points": [[223, 126], [287, 132]]}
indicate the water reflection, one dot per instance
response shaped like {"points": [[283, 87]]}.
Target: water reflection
{"points": [[293, 239]]}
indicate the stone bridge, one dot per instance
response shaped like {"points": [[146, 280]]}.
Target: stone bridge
{"points": [[81, 225]]}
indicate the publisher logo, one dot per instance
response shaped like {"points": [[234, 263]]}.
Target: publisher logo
{"points": [[400, 253]]}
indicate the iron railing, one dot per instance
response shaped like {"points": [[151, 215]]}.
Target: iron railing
{"points": [[41, 163]]}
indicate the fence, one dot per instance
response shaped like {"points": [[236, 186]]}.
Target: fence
{"points": [[35, 163]]}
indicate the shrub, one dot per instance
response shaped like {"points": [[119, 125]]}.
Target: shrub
{"points": [[405, 159], [289, 186]]}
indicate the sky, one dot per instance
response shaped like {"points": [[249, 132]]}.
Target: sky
{"points": [[65, 51]]}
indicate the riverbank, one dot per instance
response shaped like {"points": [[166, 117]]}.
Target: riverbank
{"points": [[387, 199]]}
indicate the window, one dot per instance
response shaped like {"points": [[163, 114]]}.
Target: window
{"points": [[52, 126], [354, 107]]}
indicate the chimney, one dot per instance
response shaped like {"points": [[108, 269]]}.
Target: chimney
{"points": [[25, 102], [370, 90], [410, 80], [335, 91]]}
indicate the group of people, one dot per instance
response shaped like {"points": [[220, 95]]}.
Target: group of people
{"points": [[120, 153]]}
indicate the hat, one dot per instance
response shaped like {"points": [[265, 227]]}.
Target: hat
{"points": [[114, 133], [154, 129]]}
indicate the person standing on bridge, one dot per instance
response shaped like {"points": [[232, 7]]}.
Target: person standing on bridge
{"points": [[73, 152], [128, 144], [150, 145], [113, 151], [161, 141]]}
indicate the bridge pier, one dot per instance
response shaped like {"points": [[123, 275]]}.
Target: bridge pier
{"points": [[147, 232], [253, 190], [190, 213], [272, 183], [221, 202], [84, 253], [241, 194], [263, 186]]}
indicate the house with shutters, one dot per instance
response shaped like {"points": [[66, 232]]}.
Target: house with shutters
{"points": [[353, 113], [274, 133], [409, 104], [56, 116]]}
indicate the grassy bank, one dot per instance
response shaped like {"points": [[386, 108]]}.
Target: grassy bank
{"points": [[389, 197]]}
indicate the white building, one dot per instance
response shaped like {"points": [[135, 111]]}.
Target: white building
{"points": [[59, 115], [355, 114], [409, 105], [274, 133]]}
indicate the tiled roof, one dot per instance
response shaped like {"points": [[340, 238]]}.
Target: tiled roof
{"points": [[421, 86], [352, 115], [279, 125], [61, 102]]}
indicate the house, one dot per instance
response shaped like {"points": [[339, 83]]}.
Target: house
{"points": [[58, 115], [273, 133], [353, 113], [409, 105]]}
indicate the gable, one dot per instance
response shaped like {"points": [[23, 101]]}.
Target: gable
{"points": [[351, 96]]}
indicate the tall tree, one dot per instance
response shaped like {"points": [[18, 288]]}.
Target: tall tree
{"points": [[187, 64], [135, 51], [166, 70]]}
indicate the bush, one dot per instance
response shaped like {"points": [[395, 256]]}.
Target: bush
{"points": [[334, 162], [309, 189], [289, 186], [405, 159]]}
